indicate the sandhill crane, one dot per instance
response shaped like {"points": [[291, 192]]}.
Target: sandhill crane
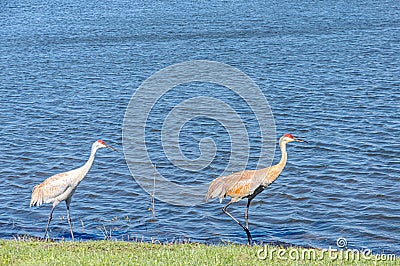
{"points": [[248, 183], [61, 187]]}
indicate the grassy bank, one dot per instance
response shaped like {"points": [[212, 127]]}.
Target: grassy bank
{"points": [[13, 252]]}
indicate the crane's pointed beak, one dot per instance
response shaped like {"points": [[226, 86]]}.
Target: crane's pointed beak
{"points": [[111, 148], [300, 140]]}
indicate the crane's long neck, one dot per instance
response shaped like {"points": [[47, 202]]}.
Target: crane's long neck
{"points": [[274, 171], [86, 167], [283, 160]]}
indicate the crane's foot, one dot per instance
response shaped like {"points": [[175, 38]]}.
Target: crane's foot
{"points": [[45, 237], [249, 239], [72, 233]]}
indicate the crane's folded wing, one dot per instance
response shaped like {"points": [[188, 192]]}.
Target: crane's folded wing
{"points": [[50, 189]]}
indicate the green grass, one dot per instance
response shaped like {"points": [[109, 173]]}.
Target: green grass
{"points": [[33, 252]]}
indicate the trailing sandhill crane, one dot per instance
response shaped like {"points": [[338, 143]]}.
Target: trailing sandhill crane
{"points": [[248, 183], [61, 187]]}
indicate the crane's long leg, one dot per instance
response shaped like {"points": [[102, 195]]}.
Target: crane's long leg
{"points": [[233, 218], [246, 214], [49, 220], [69, 218]]}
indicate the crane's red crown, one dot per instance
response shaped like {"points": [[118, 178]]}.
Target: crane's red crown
{"points": [[289, 136], [101, 142]]}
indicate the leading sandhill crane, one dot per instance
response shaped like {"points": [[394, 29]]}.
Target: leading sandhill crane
{"points": [[248, 183], [61, 187]]}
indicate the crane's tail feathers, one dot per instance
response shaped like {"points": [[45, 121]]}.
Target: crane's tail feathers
{"points": [[216, 189], [37, 196]]}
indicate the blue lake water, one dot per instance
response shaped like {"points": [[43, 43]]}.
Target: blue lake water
{"points": [[329, 70]]}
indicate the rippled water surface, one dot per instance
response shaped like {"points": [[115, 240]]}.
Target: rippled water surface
{"points": [[329, 70]]}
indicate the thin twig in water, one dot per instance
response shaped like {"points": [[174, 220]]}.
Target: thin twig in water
{"points": [[153, 211], [83, 225], [107, 234]]}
